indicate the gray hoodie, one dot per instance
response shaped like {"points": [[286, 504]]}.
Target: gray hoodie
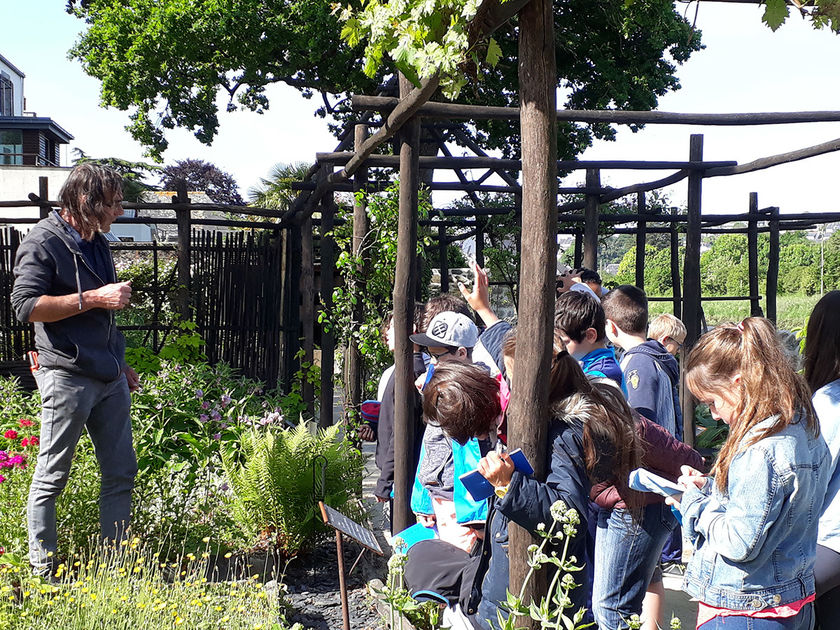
{"points": [[49, 262]]}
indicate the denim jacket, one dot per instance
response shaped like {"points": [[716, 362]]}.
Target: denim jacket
{"points": [[827, 405], [755, 545]]}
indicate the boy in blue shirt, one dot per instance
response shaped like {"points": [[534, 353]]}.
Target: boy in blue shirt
{"points": [[581, 322]]}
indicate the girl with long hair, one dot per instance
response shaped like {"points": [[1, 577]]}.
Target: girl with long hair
{"points": [[754, 522], [822, 371]]}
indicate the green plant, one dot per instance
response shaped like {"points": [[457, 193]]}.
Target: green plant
{"points": [[423, 616], [184, 347], [369, 278], [550, 612], [275, 478], [131, 586], [713, 432], [292, 402]]}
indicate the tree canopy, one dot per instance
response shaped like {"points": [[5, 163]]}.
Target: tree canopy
{"points": [[220, 186], [166, 61]]}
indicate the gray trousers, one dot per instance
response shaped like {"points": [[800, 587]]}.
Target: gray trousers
{"points": [[71, 402]]}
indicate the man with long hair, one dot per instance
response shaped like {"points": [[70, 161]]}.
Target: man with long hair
{"points": [[66, 284]]}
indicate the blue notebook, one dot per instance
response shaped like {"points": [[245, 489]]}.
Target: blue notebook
{"points": [[480, 489]]}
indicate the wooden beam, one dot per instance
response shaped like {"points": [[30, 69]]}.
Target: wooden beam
{"points": [[529, 412], [182, 216], [641, 241], [752, 256], [691, 276], [466, 162], [773, 265], [456, 111], [590, 225], [775, 160], [307, 310], [404, 281], [361, 225]]}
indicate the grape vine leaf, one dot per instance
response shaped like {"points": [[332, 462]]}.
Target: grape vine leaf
{"points": [[494, 52], [775, 13]]}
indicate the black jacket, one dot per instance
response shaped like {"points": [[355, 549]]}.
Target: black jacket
{"points": [[49, 262], [528, 503]]}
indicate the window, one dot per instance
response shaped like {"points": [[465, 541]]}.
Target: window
{"points": [[11, 147], [7, 97]]}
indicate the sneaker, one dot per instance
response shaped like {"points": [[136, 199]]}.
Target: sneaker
{"points": [[673, 569]]}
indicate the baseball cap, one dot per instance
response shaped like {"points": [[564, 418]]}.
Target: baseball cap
{"points": [[449, 329]]}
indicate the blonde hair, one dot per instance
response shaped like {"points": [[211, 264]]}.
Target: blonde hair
{"points": [[768, 387], [666, 325]]}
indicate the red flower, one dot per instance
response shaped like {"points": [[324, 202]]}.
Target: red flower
{"points": [[25, 422], [24, 442], [34, 441], [11, 434]]}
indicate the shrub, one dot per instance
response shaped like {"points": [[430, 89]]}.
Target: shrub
{"points": [[276, 482]]}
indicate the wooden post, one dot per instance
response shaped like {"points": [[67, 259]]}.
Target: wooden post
{"points": [[773, 265], [443, 259], [342, 584], [752, 256], [528, 413], [327, 336], [307, 309], [353, 370], [590, 224], [691, 274], [292, 272], [479, 240], [676, 285], [182, 216], [44, 195], [579, 249], [404, 420], [641, 241]]}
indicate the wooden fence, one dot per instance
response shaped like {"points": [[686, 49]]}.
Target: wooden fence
{"points": [[235, 295]]}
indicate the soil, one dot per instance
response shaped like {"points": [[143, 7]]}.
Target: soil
{"points": [[314, 594]]}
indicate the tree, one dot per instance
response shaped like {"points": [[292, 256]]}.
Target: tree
{"points": [[204, 176], [134, 174], [275, 191], [166, 61]]}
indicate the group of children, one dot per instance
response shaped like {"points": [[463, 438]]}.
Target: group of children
{"points": [[752, 522]]}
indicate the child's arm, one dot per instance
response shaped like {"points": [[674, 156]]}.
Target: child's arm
{"points": [[737, 529]]}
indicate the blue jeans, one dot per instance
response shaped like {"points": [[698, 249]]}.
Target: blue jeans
{"points": [[626, 555], [803, 621], [70, 403]]}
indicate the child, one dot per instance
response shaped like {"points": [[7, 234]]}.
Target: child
{"points": [[754, 524], [822, 371], [650, 372], [669, 331], [579, 319]]}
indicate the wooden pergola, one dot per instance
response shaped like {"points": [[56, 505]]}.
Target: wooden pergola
{"points": [[536, 201]]}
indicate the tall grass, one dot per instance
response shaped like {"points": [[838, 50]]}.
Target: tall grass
{"points": [[792, 310], [130, 586]]}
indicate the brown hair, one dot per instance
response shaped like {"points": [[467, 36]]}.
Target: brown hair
{"points": [[752, 350], [575, 312], [441, 303], [611, 445], [627, 306], [463, 400], [822, 342], [86, 196]]}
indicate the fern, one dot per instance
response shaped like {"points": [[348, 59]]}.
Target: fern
{"points": [[271, 478]]}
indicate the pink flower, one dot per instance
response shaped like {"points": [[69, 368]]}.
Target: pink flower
{"points": [[2, 479], [24, 442], [34, 441], [11, 434], [25, 422]]}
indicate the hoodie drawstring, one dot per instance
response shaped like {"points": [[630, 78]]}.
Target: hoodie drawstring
{"points": [[78, 282]]}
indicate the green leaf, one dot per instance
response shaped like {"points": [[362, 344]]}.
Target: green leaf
{"points": [[775, 13], [494, 52]]}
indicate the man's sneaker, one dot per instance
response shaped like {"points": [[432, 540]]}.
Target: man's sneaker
{"points": [[673, 569]]}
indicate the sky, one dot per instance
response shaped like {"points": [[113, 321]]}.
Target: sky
{"points": [[744, 68]]}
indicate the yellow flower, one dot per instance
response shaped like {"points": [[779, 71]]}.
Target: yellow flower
{"points": [[206, 539], [228, 554]]}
